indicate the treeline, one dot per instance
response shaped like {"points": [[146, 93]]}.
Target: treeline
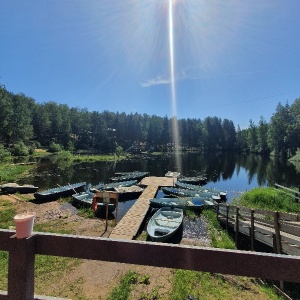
{"points": [[25, 124]]}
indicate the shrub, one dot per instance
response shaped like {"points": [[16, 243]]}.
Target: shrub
{"points": [[119, 151], [4, 154], [54, 147], [19, 149]]}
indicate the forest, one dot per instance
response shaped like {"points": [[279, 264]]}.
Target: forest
{"points": [[26, 125]]}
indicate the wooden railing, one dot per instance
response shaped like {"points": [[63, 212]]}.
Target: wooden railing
{"points": [[275, 229], [290, 192], [241, 263]]}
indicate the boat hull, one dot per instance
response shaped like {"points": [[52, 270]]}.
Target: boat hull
{"points": [[60, 192], [197, 188], [86, 199], [190, 203], [15, 188], [193, 180], [131, 192], [164, 224], [132, 176], [111, 186], [176, 192]]}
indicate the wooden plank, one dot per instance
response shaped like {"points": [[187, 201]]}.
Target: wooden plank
{"points": [[289, 217], [130, 224], [241, 263], [290, 240], [260, 213], [290, 229]]}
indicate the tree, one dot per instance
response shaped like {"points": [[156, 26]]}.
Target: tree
{"points": [[229, 135], [278, 138], [252, 137], [262, 136], [6, 112], [20, 124]]}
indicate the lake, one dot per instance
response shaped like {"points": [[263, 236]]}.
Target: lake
{"points": [[230, 172], [234, 173]]}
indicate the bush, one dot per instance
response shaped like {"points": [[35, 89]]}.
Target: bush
{"points": [[119, 151], [55, 147], [19, 149], [4, 154]]}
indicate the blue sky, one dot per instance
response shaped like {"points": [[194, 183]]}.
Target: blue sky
{"points": [[232, 59]]}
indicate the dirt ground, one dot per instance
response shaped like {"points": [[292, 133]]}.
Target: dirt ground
{"points": [[94, 279]]}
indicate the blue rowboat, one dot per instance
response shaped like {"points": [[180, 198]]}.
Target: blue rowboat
{"points": [[62, 191], [164, 223]]}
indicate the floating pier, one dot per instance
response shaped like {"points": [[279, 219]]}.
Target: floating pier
{"points": [[129, 225]]}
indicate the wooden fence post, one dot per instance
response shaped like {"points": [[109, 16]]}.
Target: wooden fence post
{"points": [[277, 233], [227, 215], [252, 232], [277, 242], [21, 269], [237, 226]]}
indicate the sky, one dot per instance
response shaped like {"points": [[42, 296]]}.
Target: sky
{"points": [[186, 58]]}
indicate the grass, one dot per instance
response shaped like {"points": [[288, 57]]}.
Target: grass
{"points": [[122, 291], [45, 266], [269, 199], [219, 237], [199, 285], [203, 285], [7, 212], [11, 173], [80, 158]]}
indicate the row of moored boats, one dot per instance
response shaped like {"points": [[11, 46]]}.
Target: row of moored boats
{"points": [[187, 193]]}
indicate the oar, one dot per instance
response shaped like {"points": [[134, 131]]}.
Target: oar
{"points": [[72, 188]]}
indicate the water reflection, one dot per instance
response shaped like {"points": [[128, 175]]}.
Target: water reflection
{"points": [[230, 172]]}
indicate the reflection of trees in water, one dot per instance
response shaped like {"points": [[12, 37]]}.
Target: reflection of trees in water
{"points": [[216, 166]]}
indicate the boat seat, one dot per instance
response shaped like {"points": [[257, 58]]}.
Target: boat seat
{"points": [[161, 232], [171, 223]]}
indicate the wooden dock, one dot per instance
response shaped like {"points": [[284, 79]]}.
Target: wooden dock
{"points": [[275, 229], [129, 225]]}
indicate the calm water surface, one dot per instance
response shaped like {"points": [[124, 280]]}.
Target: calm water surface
{"points": [[230, 172], [234, 173]]}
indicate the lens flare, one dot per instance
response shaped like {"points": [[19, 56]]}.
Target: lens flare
{"points": [[175, 130]]}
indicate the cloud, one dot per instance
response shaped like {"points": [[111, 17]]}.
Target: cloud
{"points": [[189, 73], [155, 81]]}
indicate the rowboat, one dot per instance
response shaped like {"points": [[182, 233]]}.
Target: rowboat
{"points": [[191, 203], [172, 174], [194, 187], [11, 188], [62, 191], [194, 180], [86, 199], [111, 186], [129, 192], [176, 192], [130, 176], [128, 173], [164, 223]]}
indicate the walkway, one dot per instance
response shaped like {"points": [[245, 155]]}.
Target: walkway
{"points": [[129, 225]]}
